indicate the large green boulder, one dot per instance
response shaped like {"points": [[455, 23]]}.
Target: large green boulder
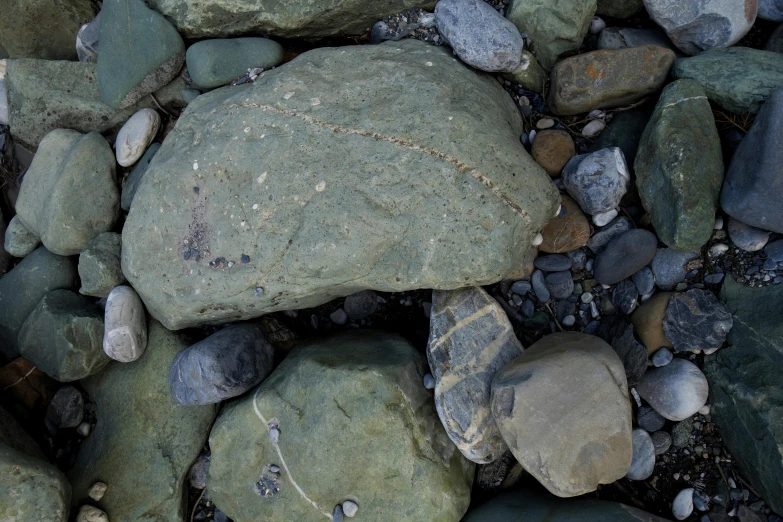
{"points": [[290, 19], [143, 443], [556, 28], [679, 167], [343, 418], [31, 489], [747, 387], [739, 79], [309, 184], [43, 28], [44, 95]]}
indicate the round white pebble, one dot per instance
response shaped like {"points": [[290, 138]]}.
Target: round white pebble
{"points": [[682, 507], [97, 491], [594, 128], [135, 136], [429, 381], [350, 508], [91, 514], [604, 218], [83, 429], [125, 330], [538, 240]]}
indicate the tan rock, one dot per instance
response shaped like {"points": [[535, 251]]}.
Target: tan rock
{"points": [[552, 149], [563, 409], [568, 231], [648, 322]]}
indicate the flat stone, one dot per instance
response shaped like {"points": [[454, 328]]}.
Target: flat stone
{"points": [[755, 173], [632, 353], [696, 320], [608, 78], [22, 289], [565, 394], [212, 63], [136, 175], [529, 74], [226, 364], [623, 131], [679, 167], [739, 79], [553, 263], [290, 257], [66, 410], [125, 322], [597, 181], [470, 339], [746, 237], [648, 322], [649, 420], [624, 296], [19, 240], [69, 194], [568, 231], [99, 265], [619, 8], [676, 391], [643, 462], [355, 394], [465, 24], [625, 255], [63, 336], [130, 28], [605, 234], [135, 136], [668, 266], [539, 286], [552, 149], [560, 284]]}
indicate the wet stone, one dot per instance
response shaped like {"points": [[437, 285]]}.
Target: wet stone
{"points": [[649, 420]]}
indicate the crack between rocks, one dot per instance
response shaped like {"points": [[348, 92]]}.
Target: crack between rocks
{"points": [[459, 164]]}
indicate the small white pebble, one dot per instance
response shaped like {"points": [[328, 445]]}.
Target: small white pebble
{"points": [[532, 135], [545, 123], [593, 128], [597, 25], [538, 240], [247, 129], [682, 507], [321, 186], [718, 250], [604, 218], [288, 95], [569, 321], [274, 434], [255, 206], [350, 508], [429, 381], [705, 410], [274, 469], [91, 514], [428, 64], [718, 224], [559, 208], [195, 165], [676, 476], [97, 491], [316, 101], [83, 429]]}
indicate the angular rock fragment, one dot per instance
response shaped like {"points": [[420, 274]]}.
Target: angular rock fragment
{"points": [[696, 321]]}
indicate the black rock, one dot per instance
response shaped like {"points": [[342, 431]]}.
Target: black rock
{"points": [[624, 296], [696, 320], [67, 408], [625, 255], [560, 284], [539, 286], [225, 364], [553, 263], [361, 304]]}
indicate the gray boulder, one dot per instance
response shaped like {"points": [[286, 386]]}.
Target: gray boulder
{"points": [[225, 364], [755, 174], [747, 386], [212, 63], [99, 265], [69, 194], [330, 402], [143, 443], [31, 488], [19, 240], [232, 246], [470, 340], [479, 35], [63, 337], [22, 289]]}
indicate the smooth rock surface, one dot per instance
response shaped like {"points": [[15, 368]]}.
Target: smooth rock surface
{"points": [[573, 438], [125, 334], [355, 394], [625, 255], [226, 364], [608, 78], [648, 322], [676, 390], [529, 74], [568, 231], [135, 136], [679, 167], [746, 237], [294, 265], [662, 441], [682, 506], [63, 336], [19, 240], [559, 284], [598, 241], [552, 149], [624, 296], [135, 177], [644, 280], [212, 63], [471, 339], [771, 10], [99, 265], [649, 420], [597, 181], [643, 462], [479, 35], [662, 357], [696, 320], [668, 266]]}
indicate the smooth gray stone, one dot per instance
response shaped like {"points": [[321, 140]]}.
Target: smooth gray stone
{"points": [[676, 391], [540, 287], [662, 441], [774, 251], [662, 357], [361, 305], [668, 267], [771, 10], [714, 279], [625, 255], [578, 258], [226, 364], [100, 267], [624, 296], [603, 235], [559, 284], [479, 35], [553, 263], [213, 63], [521, 287], [644, 280], [19, 240], [746, 237], [470, 340], [643, 462], [622, 37], [136, 175], [696, 320], [775, 42], [597, 181], [649, 420]]}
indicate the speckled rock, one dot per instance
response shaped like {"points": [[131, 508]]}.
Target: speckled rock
{"points": [[31, 489], [19, 240], [568, 231], [625, 255], [676, 391], [648, 322], [695, 320], [563, 409], [608, 78], [212, 63], [679, 167], [552, 149], [167, 255], [356, 394], [470, 340], [99, 265], [602, 236]]}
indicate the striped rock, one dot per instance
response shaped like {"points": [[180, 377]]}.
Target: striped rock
{"points": [[470, 340]]}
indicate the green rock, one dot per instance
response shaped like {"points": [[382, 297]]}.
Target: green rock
{"points": [[556, 28], [140, 52], [19, 241], [212, 63], [679, 167], [539, 506], [63, 337], [290, 19], [43, 28], [136, 175], [619, 8], [31, 489], [69, 194], [100, 267], [44, 95], [13, 435], [244, 173], [738, 79], [354, 422], [624, 131], [747, 386], [22, 289], [143, 443], [529, 74]]}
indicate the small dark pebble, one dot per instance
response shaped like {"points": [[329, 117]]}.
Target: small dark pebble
{"points": [[186, 255], [245, 258], [337, 515], [195, 189]]}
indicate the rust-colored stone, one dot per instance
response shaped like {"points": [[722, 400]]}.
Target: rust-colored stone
{"points": [[648, 322], [552, 149], [566, 232]]}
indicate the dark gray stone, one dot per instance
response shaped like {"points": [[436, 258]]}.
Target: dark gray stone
{"points": [[623, 131], [696, 320], [649, 420], [540, 287], [560, 284], [746, 237], [361, 305], [668, 267], [198, 471], [632, 353], [553, 263], [662, 357], [521, 287], [644, 280], [625, 255], [755, 175], [528, 308], [67, 408], [643, 462], [771, 10], [578, 258], [226, 364], [676, 391], [713, 279], [662, 441], [597, 181], [775, 42], [624, 296], [603, 235], [136, 175], [774, 251]]}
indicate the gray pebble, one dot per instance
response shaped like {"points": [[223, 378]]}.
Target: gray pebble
{"points": [[521, 287], [553, 263], [592, 327], [702, 502], [746, 237], [337, 514], [643, 461], [560, 284], [769, 264], [597, 181], [624, 296], [199, 470], [662, 357], [649, 420], [607, 307], [713, 279], [528, 308], [578, 259], [662, 441], [774, 251], [339, 316], [644, 280], [668, 266], [66, 410], [601, 238], [625, 255], [429, 381], [539, 286], [361, 304], [569, 321]]}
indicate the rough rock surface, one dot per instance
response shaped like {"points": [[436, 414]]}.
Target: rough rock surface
{"points": [[19, 240], [597, 181], [747, 386], [471, 339], [679, 167], [563, 409], [136, 175], [696, 320], [100, 268], [355, 394], [138, 423], [182, 248], [31, 489]]}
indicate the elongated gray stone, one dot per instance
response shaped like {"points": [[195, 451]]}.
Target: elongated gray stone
{"points": [[212, 63], [125, 334], [643, 462], [471, 339]]}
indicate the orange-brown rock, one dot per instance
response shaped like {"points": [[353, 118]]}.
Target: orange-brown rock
{"points": [[608, 78], [648, 322], [552, 149], [568, 231]]}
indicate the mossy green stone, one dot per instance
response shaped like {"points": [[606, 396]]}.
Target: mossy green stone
{"points": [[212, 63], [679, 167], [354, 422]]}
